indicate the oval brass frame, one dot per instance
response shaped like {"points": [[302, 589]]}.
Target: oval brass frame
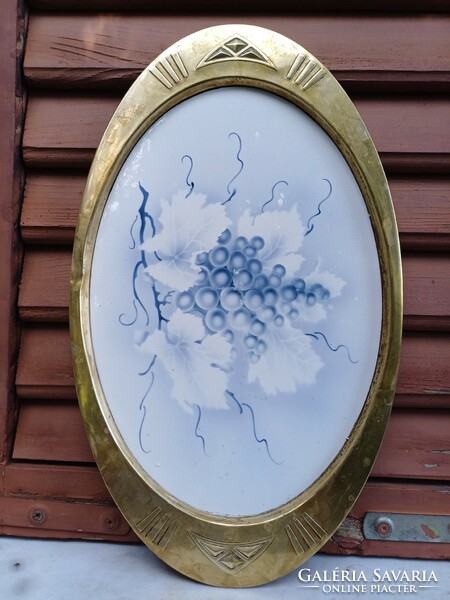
{"points": [[182, 536]]}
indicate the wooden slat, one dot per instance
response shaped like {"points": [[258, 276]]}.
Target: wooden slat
{"points": [[410, 133], [45, 367], [52, 202], [422, 208], [63, 519], [51, 205], [416, 445], [426, 280], [364, 51], [58, 481], [51, 431], [242, 5], [44, 291]]}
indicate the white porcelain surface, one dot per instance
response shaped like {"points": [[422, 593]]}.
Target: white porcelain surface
{"points": [[215, 428]]}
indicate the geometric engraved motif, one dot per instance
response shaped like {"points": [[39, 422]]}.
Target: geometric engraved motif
{"points": [[305, 72], [170, 70], [231, 558], [235, 48], [304, 533], [158, 528]]}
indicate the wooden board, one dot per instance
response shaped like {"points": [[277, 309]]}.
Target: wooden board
{"points": [[106, 50], [410, 133], [52, 202], [51, 431]]}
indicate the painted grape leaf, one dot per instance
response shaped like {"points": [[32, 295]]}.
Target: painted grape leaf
{"points": [[289, 361], [188, 227], [283, 233], [193, 359]]}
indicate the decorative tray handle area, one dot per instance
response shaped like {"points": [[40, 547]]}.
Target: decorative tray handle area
{"points": [[236, 305]]}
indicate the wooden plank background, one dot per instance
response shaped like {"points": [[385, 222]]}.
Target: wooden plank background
{"points": [[77, 66]]}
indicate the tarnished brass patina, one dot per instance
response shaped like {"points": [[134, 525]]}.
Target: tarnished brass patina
{"points": [[246, 551]]}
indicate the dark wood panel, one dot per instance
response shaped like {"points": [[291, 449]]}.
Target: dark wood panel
{"points": [[44, 290], [45, 367], [52, 202], [51, 431], [363, 51], [410, 133]]}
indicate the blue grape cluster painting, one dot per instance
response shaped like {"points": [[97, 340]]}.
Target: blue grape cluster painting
{"points": [[227, 303]]}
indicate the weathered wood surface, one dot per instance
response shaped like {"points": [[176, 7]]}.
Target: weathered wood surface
{"points": [[242, 5], [107, 50], [44, 290], [51, 431], [12, 26], [57, 481], [410, 133], [45, 367], [52, 202], [62, 519]]}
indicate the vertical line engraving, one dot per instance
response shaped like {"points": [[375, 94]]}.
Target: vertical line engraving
{"points": [[170, 70], [304, 533], [158, 528], [305, 72]]}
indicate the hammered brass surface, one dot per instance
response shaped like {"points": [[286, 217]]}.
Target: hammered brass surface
{"points": [[247, 551]]}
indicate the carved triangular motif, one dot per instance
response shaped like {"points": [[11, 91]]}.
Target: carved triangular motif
{"points": [[236, 44], [253, 54], [235, 48], [230, 557]]}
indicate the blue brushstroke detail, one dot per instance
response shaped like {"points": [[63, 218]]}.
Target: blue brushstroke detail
{"points": [[319, 212], [144, 217], [238, 157], [241, 410], [137, 299], [144, 408], [317, 333], [197, 434], [190, 184], [131, 233], [149, 368], [259, 440], [273, 193]]}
